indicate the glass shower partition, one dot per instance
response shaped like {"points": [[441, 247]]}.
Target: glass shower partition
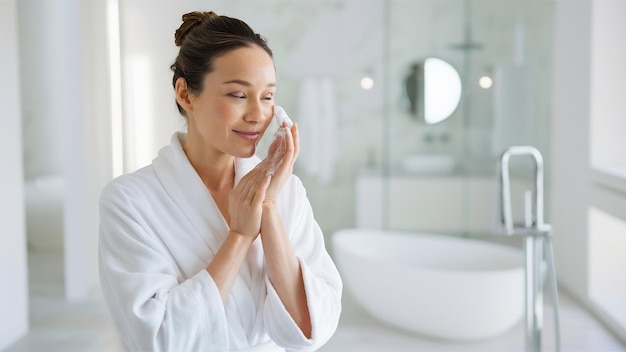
{"points": [[501, 50]]}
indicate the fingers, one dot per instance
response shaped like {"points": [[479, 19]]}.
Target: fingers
{"points": [[293, 142], [251, 183], [296, 140], [280, 159], [259, 195], [290, 152], [245, 203], [275, 149]]}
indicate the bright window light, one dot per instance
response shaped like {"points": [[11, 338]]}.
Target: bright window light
{"points": [[115, 83], [607, 243], [141, 105]]}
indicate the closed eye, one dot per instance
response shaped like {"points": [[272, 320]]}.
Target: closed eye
{"points": [[237, 95], [269, 97]]}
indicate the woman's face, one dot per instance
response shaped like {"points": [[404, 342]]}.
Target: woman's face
{"points": [[237, 102]]}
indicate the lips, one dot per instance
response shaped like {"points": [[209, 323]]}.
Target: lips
{"points": [[249, 136]]}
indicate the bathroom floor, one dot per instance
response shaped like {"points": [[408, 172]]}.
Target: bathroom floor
{"points": [[580, 331], [60, 326]]}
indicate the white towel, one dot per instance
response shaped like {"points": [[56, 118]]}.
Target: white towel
{"points": [[317, 119]]}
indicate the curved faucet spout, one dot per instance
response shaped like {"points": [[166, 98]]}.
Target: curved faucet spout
{"points": [[506, 213]]}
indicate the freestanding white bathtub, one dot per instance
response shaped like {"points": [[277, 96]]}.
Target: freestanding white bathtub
{"points": [[433, 285]]}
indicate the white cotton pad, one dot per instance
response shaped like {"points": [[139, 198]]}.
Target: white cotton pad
{"points": [[275, 155], [280, 116], [274, 133]]}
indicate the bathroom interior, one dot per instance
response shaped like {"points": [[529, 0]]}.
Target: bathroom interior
{"points": [[405, 109]]}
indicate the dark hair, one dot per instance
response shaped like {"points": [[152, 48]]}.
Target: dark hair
{"points": [[202, 37]]}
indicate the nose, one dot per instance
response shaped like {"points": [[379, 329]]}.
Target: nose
{"points": [[256, 112]]}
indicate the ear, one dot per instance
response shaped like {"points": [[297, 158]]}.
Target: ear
{"points": [[183, 96]]}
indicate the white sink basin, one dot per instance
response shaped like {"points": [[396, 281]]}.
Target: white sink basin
{"points": [[428, 163]]}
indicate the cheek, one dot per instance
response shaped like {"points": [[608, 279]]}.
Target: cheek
{"points": [[268, 112], [223, 112], [267, 121]]}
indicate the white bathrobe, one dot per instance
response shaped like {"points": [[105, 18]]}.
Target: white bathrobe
{"points": [[160, 228]]}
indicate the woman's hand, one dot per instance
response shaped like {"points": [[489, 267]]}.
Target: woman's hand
{"points": [[281, 264], [280, 159], [245, 203]]}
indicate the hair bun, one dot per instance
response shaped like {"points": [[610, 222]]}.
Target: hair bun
{"points": [[190, 20]]}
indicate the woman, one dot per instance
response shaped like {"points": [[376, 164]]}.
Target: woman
{"points": [[207, 249]]}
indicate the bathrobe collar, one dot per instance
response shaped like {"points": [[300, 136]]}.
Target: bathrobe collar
{"points": [[186, 189]]}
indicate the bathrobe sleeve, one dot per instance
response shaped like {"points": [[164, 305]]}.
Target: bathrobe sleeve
{"points": [[322, 282], [152, 310]]}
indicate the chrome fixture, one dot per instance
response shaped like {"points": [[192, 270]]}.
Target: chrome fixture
{"points": [[537, 241]]}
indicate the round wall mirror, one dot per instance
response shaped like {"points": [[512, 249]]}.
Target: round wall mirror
{"points": [[433, 88]]}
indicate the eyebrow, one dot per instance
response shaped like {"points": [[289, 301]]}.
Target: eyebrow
{"points": [[245, 83]]}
